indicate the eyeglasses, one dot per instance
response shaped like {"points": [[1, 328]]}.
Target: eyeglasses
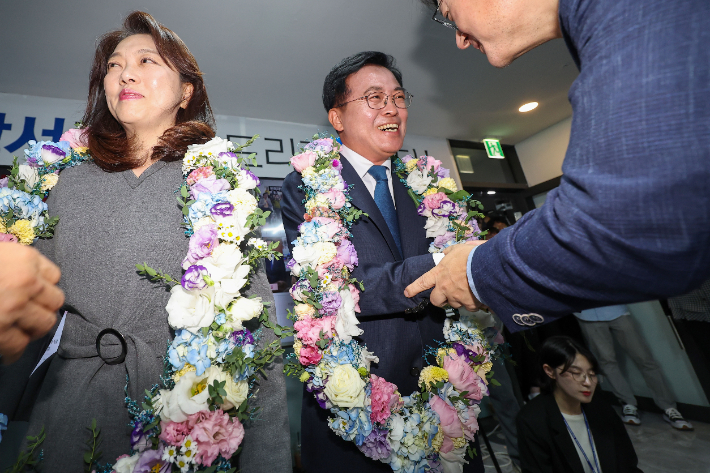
{"points": [[581, 376], [442, 20], [378, 100]]}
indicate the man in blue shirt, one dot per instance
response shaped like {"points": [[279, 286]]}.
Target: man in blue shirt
{"points": [[639, 147], [601, 327]]}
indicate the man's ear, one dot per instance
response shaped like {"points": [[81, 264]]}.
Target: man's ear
{"points": [[334, 119]]}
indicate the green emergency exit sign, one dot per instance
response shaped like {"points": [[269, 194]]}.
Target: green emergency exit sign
{"points": [[493, 149]]}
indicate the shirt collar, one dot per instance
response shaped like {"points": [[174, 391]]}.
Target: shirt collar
{"points": [[360, 163]]}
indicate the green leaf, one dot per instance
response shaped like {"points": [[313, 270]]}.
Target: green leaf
{"points": [[183, 191]]}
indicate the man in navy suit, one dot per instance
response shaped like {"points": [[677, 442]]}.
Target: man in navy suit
{"points": [[367, 106], [638, 158]]}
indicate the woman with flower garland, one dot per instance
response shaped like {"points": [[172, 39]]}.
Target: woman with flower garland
{"points": [[147, 102]]}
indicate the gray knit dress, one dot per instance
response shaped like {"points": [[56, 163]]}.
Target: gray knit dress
{"points": [[108, 223]]}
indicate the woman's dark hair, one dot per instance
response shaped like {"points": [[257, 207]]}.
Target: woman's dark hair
{"points": [[335, 87], [561, 351], [109, 146]]}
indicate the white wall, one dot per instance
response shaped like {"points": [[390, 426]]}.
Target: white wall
{"points": [[542, 154], [277, 140]]}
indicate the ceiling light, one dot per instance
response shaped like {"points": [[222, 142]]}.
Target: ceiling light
{"points": [[528, 106], [491, 192]]}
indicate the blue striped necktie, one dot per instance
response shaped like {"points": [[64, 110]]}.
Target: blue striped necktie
{"points": [[384, 202]]}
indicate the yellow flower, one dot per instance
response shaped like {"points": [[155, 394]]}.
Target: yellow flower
{"points": [[448, 183], [81, 149], [438, 440], [432, 374], [3, 228], [459, 442], [309, 172], [185, 369], [326, 250], [411, 165], [431, 191], [305, 376], [49, 181], [442, 353], [345, 387], [297, 345], [24, 232], [304, 310], [486, 367]]}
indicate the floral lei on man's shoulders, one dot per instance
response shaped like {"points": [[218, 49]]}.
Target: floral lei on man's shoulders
{"points": [[192, 420], [429, 429]]}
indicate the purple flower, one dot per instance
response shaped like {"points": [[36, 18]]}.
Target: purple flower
{"points": [[375, 445], [291, 263], [139, 440], [3, 181], [151, 461], [442, 173], [446, 208], [194, 277], [317, 391], [331, 303], [51, 154], [242, 337], [209, 184], [222, 209], [253, 177], [337, 165], [442, 240], [202, 242], [407, 158], [461, 350], [347, 254]]}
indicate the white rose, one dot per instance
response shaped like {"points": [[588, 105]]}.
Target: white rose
{"points": [[228, 289], [236, 392], [179, 403], [453, 461], [28, 174], [418, 181], [243, 309], [306, 255], [346, 323], [223, 262], [436, 226], [126, 464], [245, 180], [345, 387], [190, 310], [396, 430], [210, 149]]}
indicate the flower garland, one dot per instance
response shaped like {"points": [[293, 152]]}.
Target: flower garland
{"points": [[23, 212], [429, 429], [195, 423]]}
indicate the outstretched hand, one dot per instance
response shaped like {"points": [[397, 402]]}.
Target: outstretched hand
{"points": [[448, 279], [30, 298]]}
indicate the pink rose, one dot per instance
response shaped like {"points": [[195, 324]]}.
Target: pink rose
{"points": [[433, 201], [75, 137], [309, 329], [355, 293], [8, 237], [431, 162], [199, 173], [309, 355], [463, 377], [328, 225], [173, 433], [303, 160], [450, 423], [331, 267], [216, 434], [336, 198], [384, 399], [469, 421]]}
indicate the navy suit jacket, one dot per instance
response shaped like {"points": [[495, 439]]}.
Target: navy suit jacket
{"points": [[630, 220], [398, 339]]}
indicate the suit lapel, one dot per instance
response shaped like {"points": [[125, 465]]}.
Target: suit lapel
{"points": [[411, 224], [362, 199], [604, 442]]}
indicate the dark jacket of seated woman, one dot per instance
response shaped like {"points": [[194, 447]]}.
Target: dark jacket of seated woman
{"points": [[547, 442]]}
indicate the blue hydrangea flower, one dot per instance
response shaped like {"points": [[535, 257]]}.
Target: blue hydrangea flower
{"points": [[197, 357]]}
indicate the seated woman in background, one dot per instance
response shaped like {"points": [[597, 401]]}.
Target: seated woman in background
{"points": [[562, 430]]}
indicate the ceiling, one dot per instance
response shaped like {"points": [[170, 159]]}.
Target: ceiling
{"points": [[267, 59]]}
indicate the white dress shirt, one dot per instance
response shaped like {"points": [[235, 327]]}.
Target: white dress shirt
{"points": [[361, 166]]}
